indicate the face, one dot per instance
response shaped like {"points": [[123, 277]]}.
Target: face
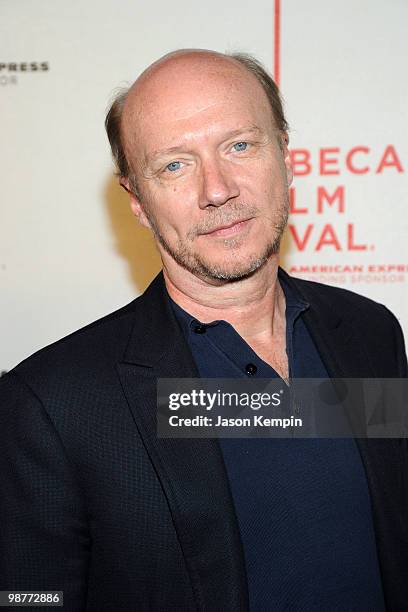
{"points": [[212, 170]]}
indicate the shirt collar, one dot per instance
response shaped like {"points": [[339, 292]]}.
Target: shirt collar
{"points": [[295, 306]]}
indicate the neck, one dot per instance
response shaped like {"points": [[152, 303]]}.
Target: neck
{"points": [[254, 306]]}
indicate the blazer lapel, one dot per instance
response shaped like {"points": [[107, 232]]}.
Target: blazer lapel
{"points": [[191, 471]]}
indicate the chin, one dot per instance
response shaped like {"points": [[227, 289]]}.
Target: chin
{"points": [[230, 271], [226, 266]]}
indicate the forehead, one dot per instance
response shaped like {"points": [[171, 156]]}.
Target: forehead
{"points": [[183, 98]]}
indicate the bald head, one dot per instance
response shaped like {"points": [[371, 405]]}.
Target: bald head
{"points": [[189, 60], [184, 67], [182, 84]]}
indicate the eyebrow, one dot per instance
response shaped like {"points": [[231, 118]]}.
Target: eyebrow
{"points": [[251, 129]]}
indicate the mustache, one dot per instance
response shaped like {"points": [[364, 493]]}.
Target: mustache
{"points": [[222, 216]]}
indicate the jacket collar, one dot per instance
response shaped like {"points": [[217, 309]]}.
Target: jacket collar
{"points": [[155, 328]]}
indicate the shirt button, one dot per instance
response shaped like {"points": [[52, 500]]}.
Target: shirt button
{"points": [[200, 329], [251, 369]]}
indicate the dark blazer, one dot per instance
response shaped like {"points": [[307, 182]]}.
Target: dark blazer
{"points": [[94, 504]]}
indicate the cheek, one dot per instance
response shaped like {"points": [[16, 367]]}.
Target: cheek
{"points": [[176, 203], [172, 219], [260, 174], [274, 179]]}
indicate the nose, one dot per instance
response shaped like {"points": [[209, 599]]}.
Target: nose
{"points": [[218, 184]]}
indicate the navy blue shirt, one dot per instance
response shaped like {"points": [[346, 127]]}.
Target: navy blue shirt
{"points": [[302, 505]]}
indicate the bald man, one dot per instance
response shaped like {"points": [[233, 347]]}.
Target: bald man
{"points": [[94, 502]]}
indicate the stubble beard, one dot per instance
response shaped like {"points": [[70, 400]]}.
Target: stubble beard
{"points": [[234, 268]]}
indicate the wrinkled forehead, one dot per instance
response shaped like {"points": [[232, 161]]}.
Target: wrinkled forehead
{"points": [[186, 88]]}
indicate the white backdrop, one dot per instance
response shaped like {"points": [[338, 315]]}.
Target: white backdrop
{"points": [[70, 250]]}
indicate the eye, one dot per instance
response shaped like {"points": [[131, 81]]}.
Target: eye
{"points": [[173, 166], [240, 146]]}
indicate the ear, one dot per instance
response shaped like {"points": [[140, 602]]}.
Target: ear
{"points": [[135, 203], [287, 158]]}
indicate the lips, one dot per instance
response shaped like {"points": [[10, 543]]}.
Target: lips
{"points": [[227, 228]]}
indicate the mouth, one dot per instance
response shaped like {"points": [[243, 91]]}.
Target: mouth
{"points": [[228, 228]]}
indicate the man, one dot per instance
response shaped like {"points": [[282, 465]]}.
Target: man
{"points": [[94, 502]]}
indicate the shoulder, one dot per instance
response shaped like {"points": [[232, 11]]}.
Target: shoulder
{"points": [[92, 353], [92, 348], [374, 324], [334, 294], [344, 302]]}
